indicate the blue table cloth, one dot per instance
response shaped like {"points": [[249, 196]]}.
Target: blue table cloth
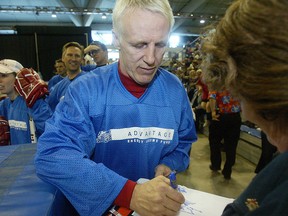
{"points": [[22, 193]]}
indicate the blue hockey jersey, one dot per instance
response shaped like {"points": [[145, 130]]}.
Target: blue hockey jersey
{"points": [[18, 115], [54, 80], [59, 89], [101, 135]]}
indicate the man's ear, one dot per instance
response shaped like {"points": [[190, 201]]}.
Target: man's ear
{"points": [[116, 42]]}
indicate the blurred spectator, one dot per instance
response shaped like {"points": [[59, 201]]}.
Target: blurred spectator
{"points": [[99, 52], [225, 124], [60, 73], [25, 107]]}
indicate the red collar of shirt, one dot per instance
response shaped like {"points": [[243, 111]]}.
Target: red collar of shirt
{"points": [[134, 88]]}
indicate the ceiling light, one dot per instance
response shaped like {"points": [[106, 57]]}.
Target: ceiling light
{"points": [[202, 21], [104, 16]]}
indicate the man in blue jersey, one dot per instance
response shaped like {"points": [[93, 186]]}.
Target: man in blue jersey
{"points": [[125, 121], [60, 73], [25, 107], [99, 52], [72, 56]]}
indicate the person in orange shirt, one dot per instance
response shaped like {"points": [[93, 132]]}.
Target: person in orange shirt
{"points": [[225, 125]]}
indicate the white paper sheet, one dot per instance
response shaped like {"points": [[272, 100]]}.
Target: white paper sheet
{"points": [[200, 203]]}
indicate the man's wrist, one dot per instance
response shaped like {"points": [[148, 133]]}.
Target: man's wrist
{"points": [[124, 197]]}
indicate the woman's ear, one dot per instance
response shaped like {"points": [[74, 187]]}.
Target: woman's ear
{"points": [[116, 42]]}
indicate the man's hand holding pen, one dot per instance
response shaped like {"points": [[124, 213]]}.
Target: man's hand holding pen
{"points": [[156, 197]]}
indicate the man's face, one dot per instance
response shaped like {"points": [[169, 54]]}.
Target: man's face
{"points": [[142, 44], [60, 68], [99, 56], [7, 83], [72, 58]]}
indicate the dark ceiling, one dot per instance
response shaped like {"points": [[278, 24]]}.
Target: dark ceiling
{"points": [[188, 13]]}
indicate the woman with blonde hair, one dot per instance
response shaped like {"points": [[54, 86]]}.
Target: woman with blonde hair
{"points": [[248, 54]]}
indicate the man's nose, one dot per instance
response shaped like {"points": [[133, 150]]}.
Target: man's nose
{"points": [[149, 56]]}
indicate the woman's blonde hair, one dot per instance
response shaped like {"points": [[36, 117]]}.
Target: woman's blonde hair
{"points": [[247, 53]]}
